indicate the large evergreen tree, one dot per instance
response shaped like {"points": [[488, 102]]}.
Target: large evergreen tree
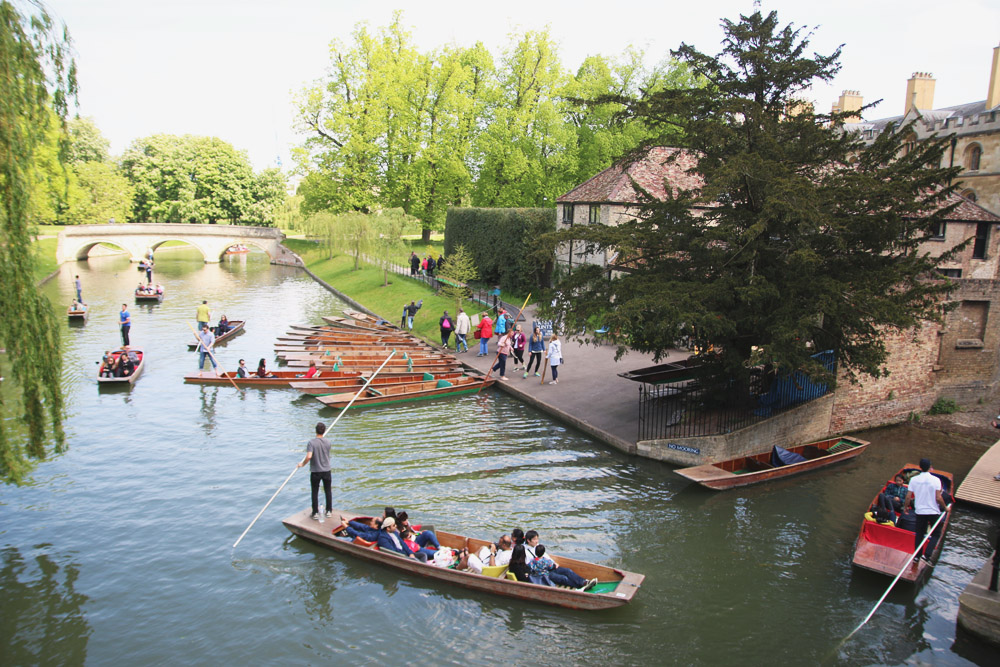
{"points": [[801, 238], [36, 76]]}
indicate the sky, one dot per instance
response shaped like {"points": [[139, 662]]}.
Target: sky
{"points": [[229, 68]]}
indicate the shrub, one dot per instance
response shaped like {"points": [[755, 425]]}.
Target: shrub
{"points": [[943, 406]]}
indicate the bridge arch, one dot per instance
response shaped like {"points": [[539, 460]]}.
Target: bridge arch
{"points": [[254, 244], [82, 252]]}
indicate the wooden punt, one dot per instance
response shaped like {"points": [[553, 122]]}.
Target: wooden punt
{"points": [[887, 549], [144, 296], [346, 334], [279, 379], [77, 315], [365, 318], [747, 470], [129, 379], [395, 365], [235, 327], [678, 371], [364, 355], [237, 250], [402, 393], [352, 323], [615, 588], [335, 385]]}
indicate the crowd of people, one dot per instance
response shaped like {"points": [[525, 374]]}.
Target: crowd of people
{"points": [[425, 266], [149, 290]]}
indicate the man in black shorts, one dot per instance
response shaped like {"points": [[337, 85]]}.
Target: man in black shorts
{"points": [[318, 458]]}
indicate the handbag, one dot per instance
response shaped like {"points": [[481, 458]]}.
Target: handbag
{"points": [[477, 334]]}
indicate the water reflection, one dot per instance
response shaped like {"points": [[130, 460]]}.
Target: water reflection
{"points": [[43, 622]]}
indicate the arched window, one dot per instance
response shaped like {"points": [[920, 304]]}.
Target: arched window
{"points": [[909, 143], [972, 156], [970, 194]]}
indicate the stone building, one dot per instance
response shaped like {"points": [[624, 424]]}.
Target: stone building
{"points": [[973, 129]]}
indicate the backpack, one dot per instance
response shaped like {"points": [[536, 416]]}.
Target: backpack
{"points": [[446, 323]]}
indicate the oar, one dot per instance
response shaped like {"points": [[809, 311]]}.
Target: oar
{"points": [[209, 350], [489, 372], [328, 429], [908, 564], [545, 367]]}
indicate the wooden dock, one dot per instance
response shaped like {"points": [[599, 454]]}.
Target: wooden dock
{"points": [[979, 487]]}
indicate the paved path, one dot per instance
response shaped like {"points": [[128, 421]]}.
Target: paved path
{"points": [[590, 395]]}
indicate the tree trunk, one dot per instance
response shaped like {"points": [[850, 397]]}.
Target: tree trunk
{"points": [[425, 235]]}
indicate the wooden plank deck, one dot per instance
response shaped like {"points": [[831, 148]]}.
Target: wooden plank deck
{"points": [[979, 487]]}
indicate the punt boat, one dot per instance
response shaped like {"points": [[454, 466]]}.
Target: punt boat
{"points": [[401, 393], [778, 462], [235, 327], [127, 379], [615, 587], [339, 385], [144, 295], [77, 315], [887, 549]]}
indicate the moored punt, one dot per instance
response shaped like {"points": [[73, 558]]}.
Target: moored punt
{"points": [[394, 365], [337, 385], [126, 379], [147, 295], [352, 323], [746, 470], [298, 333], [235, 327], [615, 588], [401, 393], [358, 316], [887, 549], [278, 379], [283, 349], [77, 315], [363, 355]]}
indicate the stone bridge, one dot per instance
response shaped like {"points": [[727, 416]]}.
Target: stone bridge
{"points": [[136, 239]]}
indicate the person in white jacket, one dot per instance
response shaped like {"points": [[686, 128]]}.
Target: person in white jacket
{"points": [[554, 357], [462, 327]]}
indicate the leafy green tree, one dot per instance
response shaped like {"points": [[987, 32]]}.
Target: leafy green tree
{"points": [[86, 143], [459, 270], [801, 238], [387, 239], [38, 76], [106, 194], [321, 226]]}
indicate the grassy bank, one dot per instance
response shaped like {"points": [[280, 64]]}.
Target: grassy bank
{"points": [[45, 254], [366, 287]]}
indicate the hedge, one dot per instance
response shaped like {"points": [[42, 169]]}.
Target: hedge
{"points": [[503, 243]]}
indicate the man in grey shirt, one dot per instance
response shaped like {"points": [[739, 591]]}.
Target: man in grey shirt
{"points": [[318, 458]]}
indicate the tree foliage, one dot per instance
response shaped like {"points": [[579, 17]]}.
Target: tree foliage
{"points": [[387, 239], [37, 77], [801, 238], [459, 270]]}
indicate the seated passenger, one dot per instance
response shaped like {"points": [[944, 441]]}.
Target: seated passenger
{"points": [[907, 520], [896, 490], [409, 540], [423, 538], [311, 372], [242, 371], [125, 365], [358, 529], [560, 576], [222, 327], [389, 540], [159, 289], [107, 365], [262, 370], [496, 554], [518, 565]]}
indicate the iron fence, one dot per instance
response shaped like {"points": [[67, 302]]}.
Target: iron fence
{"points": [[698, 407]]}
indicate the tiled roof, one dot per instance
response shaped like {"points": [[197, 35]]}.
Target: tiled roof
{"points": [[968, 210], [661, 167]]}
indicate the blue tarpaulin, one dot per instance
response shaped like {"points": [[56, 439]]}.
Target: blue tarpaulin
{"points": [[782, 457], [787, 390]]}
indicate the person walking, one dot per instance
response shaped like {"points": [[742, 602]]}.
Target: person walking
{"points": [[79, 289], [485, 329], [446, 326], [318, 458], [503, 350], [517, 341], [204, 315], [411, 312], [924, 494], [431, 265], [554, 356], [207, 339], [500, 326], [536, 345], [125, 322], [414, 263], [462, 326]]}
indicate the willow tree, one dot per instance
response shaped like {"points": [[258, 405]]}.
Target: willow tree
{"points": [[36, 75], [800, 239]]}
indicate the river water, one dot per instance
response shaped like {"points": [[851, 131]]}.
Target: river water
{"points": [[121, 549]]}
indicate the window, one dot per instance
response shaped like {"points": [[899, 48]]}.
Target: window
{"points": [[970, 194], [982, 236], [909, 143], [595, 214], [938, 229], [950, 273], [567, 217], [972, 156]]}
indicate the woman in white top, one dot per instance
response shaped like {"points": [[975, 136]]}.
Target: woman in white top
{"points": [[554, 357]]}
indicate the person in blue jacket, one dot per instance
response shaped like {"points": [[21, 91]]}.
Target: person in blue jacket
{"points": [[389, 540], [357, 529]]}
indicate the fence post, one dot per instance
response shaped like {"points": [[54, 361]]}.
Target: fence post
{"points": [[996, 564]]}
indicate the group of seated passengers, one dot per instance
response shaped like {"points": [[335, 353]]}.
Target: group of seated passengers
{"points": [[890, 506], [149, 289], [119, 364], [78, 306], [520, 552]]}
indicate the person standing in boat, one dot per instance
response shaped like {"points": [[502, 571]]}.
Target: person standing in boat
{"points": [[207, 339], [149, 273], [318, 458], [125, 322], [924, 495], [79, 289], [203, 315]]}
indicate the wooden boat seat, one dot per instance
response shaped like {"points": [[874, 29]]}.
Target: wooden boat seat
{"points": [[813, 452], [753, 465]]}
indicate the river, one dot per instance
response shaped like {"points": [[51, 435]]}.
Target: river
{"points": [[121, 549]]}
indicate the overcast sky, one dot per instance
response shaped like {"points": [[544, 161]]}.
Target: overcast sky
{"points": [[228, 68]]}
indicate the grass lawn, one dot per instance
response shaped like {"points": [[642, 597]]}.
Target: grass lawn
{"points": [[45, 252]]}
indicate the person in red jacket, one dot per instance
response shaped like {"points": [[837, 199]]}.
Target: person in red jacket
{"points": [[485, 329]]}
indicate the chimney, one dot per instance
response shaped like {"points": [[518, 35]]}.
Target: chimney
{"points": [[993, 98], [919, 92], [850, 100]]}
